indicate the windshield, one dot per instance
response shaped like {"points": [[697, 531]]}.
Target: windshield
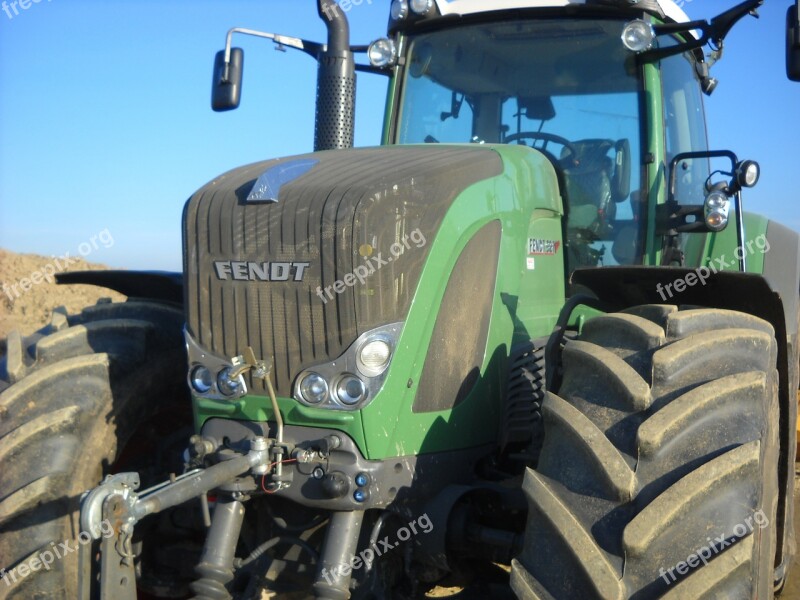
{"points": [[566, 87]]}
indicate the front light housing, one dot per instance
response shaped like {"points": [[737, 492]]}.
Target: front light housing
{"points": [[354, 378], [202, 379], [373, 357], [399, 9], [382, 53], [747, 173], [227, 385], [350, 390], [313, 388], [638, 36], [716, 209], [421, 7]]}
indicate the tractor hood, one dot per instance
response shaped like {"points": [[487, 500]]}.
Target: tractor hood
{"points": [[297, 257]]}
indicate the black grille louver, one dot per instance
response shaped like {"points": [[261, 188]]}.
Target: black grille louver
{"points": [[349, 199]]}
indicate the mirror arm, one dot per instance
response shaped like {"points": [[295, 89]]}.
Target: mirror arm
{"points": [[714, 31], [311, 48], [659, 53], [723, 23], [698, 154]]}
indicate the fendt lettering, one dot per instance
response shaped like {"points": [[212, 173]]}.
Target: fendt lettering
{"points": [[260, 271]]}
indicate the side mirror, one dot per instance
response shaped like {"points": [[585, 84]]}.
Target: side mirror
{"points": [[793, 43], [674, 217], [226, 87]]}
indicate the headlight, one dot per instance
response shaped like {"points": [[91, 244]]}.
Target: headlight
{"points": [[399, 9], [638, 36], [747, 173], [373, 357], [353, 379], [227, 385], [382, 53], [201, 379], [350, 390], [313, 388], [715, 210], [421, 7]]}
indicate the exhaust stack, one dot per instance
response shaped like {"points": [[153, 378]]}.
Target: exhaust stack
{"points": [[336, 83]]}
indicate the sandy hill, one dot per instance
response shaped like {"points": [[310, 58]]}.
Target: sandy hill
{"points": [[28, 293]]}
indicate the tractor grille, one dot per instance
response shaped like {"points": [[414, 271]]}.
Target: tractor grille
{"points": [[352, 205]]}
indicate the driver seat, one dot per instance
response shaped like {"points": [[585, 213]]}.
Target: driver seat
{"points": [[588, 181]]}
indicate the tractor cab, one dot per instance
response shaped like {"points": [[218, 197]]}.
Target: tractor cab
{"points": [[567, 88], [610, 94]]}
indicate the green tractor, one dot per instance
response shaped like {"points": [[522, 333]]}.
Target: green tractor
{"points": [[530, 346]]}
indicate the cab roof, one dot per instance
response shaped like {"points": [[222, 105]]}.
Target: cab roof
{"points": [[469, 7]]}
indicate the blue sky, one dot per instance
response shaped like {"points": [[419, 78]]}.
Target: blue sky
{"points": [[105, 121]]}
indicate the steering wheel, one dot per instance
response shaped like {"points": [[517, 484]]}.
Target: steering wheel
{"points": [[570, 160]]}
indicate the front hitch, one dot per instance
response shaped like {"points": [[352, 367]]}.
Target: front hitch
{"points": [[117, 502]]}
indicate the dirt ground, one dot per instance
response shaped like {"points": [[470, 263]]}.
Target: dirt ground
{"points": [[28, 292]]}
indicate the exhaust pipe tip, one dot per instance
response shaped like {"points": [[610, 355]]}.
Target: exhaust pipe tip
{"points": [[336, 83]]}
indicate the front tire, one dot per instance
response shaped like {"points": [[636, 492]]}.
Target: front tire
{"points": [[658, 473], [74, 394]]}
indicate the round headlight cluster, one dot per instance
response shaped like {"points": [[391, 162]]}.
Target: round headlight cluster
{"points": [[203, 381], [353, 379], [348, 390], [715, 210]]}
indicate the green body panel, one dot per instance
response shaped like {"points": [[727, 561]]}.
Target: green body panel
{"points": [[720, 249], [525, 199], [656, 170], [388, 115]]}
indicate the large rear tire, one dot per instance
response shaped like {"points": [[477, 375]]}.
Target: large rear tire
{"points": [[74, 394], [658, 473]]}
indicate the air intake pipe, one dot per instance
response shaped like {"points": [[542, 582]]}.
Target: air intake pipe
{"points": [[336, 83]]}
